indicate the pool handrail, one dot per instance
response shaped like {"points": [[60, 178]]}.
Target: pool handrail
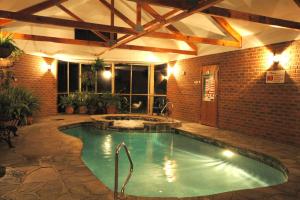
{"points": [[117, 151]]}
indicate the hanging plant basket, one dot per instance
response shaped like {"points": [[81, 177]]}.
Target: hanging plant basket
{"points": [[5, 52]]}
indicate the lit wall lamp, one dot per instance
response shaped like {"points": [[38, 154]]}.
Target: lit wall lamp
{"points": [[276, 58], [49, 67], [106, 74], [170, 71]]}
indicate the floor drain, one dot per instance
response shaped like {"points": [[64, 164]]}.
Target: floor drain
{"points": [[2, 171]]}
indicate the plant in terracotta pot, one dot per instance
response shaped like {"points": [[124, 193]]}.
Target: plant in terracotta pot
{"points": [[32, 105], [8, 47], [112, 103], [81, 102], [68, 102], [93, 103]]}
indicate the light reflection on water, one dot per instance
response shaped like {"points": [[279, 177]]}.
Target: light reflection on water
{"points": [[171, 165]]}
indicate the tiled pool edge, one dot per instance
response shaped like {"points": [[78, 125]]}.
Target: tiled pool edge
{"points": [[222, 196], [267, 159]]}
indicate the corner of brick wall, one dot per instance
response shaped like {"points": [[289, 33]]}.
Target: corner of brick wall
{"points": [[31, 73], [246, 103]]}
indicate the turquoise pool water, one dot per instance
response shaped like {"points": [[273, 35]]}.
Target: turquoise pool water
{"points": [[171, 165]]}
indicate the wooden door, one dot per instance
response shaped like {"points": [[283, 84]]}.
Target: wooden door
{"points": [[209, 101]]}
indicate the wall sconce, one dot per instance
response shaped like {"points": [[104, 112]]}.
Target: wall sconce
{"points": [[276, 58], [49, 67], [170, 71], [106, 74]]}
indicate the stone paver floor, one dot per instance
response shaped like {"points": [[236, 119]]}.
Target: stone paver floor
{"points": [[46, 165]]}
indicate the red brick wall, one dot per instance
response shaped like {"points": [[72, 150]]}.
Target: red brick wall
{"points": [[246, 103], [31, 72]]}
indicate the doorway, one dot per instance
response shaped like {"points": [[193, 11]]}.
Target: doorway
{"points": [[209, 99]]}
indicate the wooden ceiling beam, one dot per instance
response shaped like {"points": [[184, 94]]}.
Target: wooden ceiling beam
{"points": [[228, 13], [119, 14], [195, 39], [36, 8], [20, 36], [112, 17], [41, 6], [227, 28], [201, 6], [170, 27], [179, 4], [63, 22], [233, 14], [138, 15], [99, 34], [150, 23]]}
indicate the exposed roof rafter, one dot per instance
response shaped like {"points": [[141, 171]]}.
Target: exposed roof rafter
{"points": [[20, 36], [228, 13], [178, 17], [64, 22], [171, 28], [99, 34], [227, 28], [37, 8]]}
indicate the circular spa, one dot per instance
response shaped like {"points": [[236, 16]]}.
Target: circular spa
{"points": [[173, 164], [135, 122]]}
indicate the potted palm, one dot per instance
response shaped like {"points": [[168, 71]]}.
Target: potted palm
{"points": [[93, 102], [112, 103], [68, 103], [81, 102], [8, 46]]}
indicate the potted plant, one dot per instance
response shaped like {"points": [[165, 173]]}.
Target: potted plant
{"points": [[32, 106], [67, 102], [98, 65], [81, 102], [8, 46], [93, 103], [112, 103]]}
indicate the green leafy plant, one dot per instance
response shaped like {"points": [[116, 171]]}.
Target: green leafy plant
{"points": [[17, 103], [8, 46], [80, 99], [68, 100], [98, 65], [111, 100]]}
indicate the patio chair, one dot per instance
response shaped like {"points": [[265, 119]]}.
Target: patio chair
{"points": [[8, 127]]}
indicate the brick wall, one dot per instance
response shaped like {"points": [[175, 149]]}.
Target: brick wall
{"points": [[32, 73], [246, 103]]}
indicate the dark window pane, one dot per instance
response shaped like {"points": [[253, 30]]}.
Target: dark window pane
{"points": [[159, 103], [139, 79], [160, 81], [139, 104], [73, 77], [104, 81], [88, 78], [122, 78], [62, 70]]}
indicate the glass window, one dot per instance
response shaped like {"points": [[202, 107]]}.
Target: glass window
{"points": [[122, 78], [88, 78], [160, 81], [62, 77], [73, 77], [104, 80], [139, 103], [139, 79]]}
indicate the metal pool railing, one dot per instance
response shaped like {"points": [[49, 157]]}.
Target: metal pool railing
{"points": [[116, 193]]}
